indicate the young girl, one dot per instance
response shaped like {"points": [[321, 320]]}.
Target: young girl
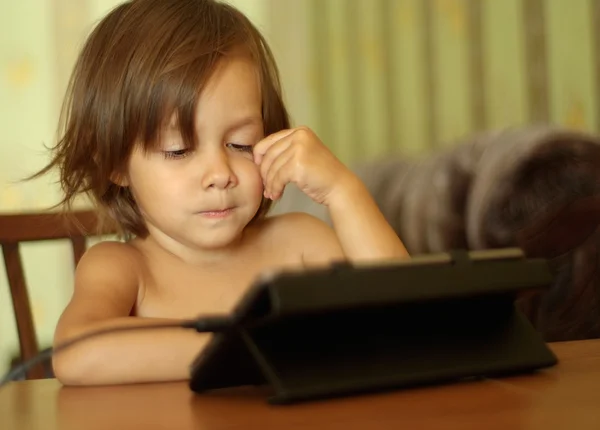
{"points": [[175, 127]]}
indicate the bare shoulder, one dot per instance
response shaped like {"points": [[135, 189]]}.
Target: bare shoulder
{"points": [[111, 255], [312, 237], [293, 220], [109, 271]]}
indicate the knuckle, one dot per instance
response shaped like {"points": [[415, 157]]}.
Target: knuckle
{"points": [[303, 132]]}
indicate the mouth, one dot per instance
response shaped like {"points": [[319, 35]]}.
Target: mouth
{"points": [[217, 213]]}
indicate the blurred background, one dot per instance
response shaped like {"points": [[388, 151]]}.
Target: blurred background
{"points": [[371, 77]]}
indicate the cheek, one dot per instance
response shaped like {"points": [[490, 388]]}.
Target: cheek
{"points": [[152, 186], [249, 177]]}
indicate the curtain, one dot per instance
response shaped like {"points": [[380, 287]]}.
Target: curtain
{"points": [[375, 77]]}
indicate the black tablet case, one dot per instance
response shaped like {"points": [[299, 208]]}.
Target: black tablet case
{"points": [[345, 329]]}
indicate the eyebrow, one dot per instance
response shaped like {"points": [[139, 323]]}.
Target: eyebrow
{"points": [[245, 122]]}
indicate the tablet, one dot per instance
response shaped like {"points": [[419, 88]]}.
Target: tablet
{"points": [[347, 329]]}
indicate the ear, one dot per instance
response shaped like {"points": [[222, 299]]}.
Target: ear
{"points": [[119, 179]]}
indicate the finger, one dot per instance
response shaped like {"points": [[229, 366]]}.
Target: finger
{"points": [[280, 174], [263, 145], [271, 155]]}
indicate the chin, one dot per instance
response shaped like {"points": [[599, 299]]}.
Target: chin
{"points": [[216, 240]]}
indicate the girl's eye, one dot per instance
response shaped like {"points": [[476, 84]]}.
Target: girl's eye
{"points": [[240, 148], [176, 154]]}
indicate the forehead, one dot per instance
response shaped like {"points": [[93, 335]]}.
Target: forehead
{"points": [[229, 99], [233, 87]]}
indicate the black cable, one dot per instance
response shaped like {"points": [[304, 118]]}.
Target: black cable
{"points": [[201, 325]]}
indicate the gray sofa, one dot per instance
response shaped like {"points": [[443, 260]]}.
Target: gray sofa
{"points": [[534, 187]]}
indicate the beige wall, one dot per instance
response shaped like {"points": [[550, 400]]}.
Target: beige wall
{"points": [[28, 114]]}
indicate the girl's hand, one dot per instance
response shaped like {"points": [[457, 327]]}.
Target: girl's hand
{"points": [[297, 155]]}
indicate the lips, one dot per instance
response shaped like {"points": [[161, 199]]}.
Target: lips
{"points": [[217, 213]]}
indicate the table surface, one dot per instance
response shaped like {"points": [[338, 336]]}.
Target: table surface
{"points": [[564, 396]]}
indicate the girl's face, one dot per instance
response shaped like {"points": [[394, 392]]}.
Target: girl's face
{"points": [[201, 199]]}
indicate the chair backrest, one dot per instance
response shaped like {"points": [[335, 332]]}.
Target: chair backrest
{"points": [[32, 227]]}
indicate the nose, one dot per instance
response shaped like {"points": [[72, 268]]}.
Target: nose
{"points": [[217, 171]]}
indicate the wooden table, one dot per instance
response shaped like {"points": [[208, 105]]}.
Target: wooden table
{"points": [[563, 397]]}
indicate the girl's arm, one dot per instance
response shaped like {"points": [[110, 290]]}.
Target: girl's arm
{"points": [[362, 230], [298, 156], [106, 289]]}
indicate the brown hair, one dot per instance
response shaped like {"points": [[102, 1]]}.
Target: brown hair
{"points": [[145, 60]]}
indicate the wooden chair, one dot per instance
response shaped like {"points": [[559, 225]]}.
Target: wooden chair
{"points": [[32, 227]]}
